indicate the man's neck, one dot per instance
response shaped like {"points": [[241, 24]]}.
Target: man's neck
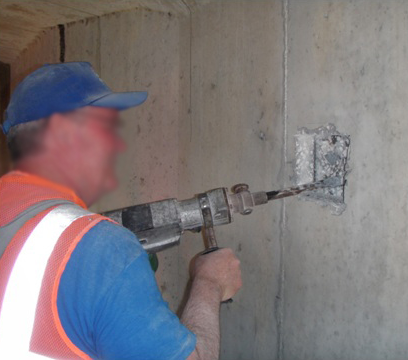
{"points": [[48, 169]]}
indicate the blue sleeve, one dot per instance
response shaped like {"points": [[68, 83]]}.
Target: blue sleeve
{"points": [[109, 303]]}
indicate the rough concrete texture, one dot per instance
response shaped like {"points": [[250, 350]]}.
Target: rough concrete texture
{"points": [[345, 277], [149, 60], [21, 21], [322, 154], [229, 88], [45, 49], [235, 135]]}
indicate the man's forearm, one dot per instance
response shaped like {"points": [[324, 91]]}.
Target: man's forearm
{"points": [[202, 316]]}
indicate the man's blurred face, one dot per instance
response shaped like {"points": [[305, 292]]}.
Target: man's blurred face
{"points": [[97, 145]]}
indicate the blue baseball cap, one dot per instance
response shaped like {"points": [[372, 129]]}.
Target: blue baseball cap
{"points": [[57, 88]]}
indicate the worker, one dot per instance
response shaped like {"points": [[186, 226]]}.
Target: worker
{"points": [[73, 284]]}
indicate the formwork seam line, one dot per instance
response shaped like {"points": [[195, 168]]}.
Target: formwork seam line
{"points": [[283, 224]]}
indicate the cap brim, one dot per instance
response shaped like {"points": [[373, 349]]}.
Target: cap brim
{"points": [[121, 101]]}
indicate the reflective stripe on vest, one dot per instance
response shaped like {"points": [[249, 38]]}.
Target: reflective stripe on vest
{"points": [[8, 231], [23, 287]]}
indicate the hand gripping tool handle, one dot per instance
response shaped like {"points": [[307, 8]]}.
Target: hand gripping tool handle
{"points": [[208, 230]]}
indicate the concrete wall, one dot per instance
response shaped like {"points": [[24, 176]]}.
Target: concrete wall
{"points": [[345, 277], [235, 135], [229, 86]]}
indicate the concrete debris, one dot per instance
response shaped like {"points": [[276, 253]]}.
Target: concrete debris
{"points": [[323, 153]]}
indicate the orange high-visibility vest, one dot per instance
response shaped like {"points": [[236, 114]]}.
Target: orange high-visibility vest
{"points": [[37, 254]]}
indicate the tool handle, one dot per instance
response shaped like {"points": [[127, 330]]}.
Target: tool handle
{"points": [[209, 250], [209, 235], [208, 232]]}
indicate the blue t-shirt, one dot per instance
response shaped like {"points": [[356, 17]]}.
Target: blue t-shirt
{"points": [[109, 303]]}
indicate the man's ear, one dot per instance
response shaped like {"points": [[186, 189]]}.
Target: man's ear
{"points": [[60, 131]]}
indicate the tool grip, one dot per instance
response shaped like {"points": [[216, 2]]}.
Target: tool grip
{"points": [[208, 251]]}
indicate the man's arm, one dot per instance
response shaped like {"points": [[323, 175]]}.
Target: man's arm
{"points": [[110, 305], [216, 277]]}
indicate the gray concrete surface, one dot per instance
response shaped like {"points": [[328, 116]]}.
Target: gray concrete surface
{"points": [[235, 135], [345, 277], [229, 86]]}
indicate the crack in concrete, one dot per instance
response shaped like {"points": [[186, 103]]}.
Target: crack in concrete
{"points": [[190, 67], [98, 46]]}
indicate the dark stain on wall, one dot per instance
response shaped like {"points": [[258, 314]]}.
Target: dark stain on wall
{"points": [[5, 163], [61, 29]]}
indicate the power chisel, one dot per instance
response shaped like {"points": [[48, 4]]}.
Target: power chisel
{"points": [[160, 224]]}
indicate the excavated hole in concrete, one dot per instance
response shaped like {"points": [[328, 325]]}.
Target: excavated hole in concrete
{"points": [[323, 153]]}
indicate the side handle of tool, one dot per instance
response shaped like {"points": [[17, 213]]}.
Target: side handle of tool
{"points": [[208, 229], [209, 234]]}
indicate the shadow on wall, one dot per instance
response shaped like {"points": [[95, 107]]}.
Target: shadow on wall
{"points": [[5, 163]]}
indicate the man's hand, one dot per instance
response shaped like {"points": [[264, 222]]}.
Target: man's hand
{"points": [[221, 269], [216, 277]]}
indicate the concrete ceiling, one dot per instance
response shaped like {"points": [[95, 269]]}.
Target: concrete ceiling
{"points": [[22, 20]]}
